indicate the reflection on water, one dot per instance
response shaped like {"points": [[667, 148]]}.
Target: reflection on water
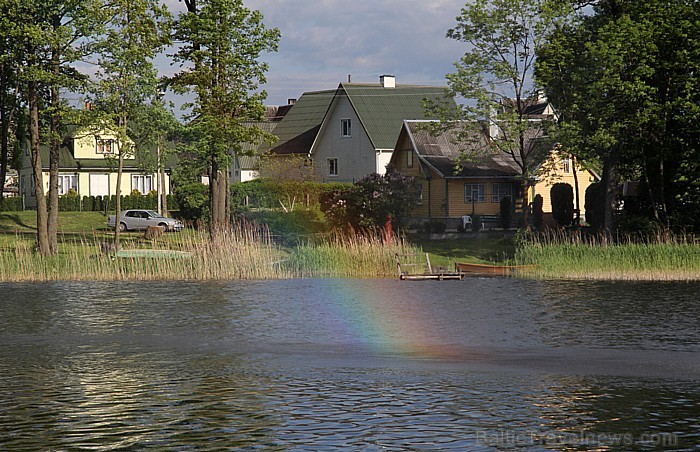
{"points": [[481, 364]]}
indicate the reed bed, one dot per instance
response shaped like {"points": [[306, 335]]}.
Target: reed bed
{"points": [[351, 255], [245, 251], [574, 256]]}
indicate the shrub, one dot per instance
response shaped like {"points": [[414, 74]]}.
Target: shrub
{"points": [[505, 217], [70, 202], [11, 204], [537, 213], [595, 205], [193, 201], [367, 203], [476, 223], [434, 226], [265, 193], [562, 196]]}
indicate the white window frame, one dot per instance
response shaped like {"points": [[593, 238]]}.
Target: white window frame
{"points": [[500, 191], [332, 166], [346, 128], [66, 182], [566, 165], [469, 191], [104, 146], [138, 182], [409, 159]]}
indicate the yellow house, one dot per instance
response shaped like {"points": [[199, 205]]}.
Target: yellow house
{"points": [[561, 168], [452, 188], [87, 166]]}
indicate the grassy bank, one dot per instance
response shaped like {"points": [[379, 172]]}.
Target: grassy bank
{"points": [[479, 250], [70, 222], [574, 257], [245, 252], [291, 250]]}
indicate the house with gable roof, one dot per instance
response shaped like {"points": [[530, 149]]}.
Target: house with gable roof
{"points": [[350, 132], [450, 188], [453, 187], [87, 167]]}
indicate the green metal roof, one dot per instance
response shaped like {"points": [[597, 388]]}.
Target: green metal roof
{"points": [[383, 110], [380, 110], [298, 129]]}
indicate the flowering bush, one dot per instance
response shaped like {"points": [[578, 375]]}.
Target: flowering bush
{"points": [[368, 202]]}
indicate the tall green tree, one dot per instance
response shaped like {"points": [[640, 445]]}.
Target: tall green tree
{"points": [[494, 76], [127, 79], [224, 42], [625, 82], [73, 26], [9, 92], [28, 40], [44, 39]]}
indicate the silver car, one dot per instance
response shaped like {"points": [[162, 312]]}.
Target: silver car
{"points": [[139, 219]]}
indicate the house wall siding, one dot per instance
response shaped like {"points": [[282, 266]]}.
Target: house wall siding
{"points": [[458, 206], [356, 154], [544, 187], [85, 145]]}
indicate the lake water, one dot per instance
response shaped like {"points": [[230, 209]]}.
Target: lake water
{"points": [[324, 364]]}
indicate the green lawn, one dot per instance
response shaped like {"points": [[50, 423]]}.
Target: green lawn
{"points": [[82, 222], [477, 250]]}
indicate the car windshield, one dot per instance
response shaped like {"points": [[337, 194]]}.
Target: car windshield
{"points": [[154, 214]]}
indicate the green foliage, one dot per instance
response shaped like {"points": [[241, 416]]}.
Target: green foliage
{"points": [[562, 196], [626, 82], [70, 202], [193, 201], [291, 228], [265, 193], [11, 204], [502, 37], [370, 200], [637, 226], [222, 45], [594, 205], [506, 212], [537, 213], [576, 256]]}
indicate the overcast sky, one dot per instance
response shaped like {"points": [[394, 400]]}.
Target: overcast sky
{"points": [[324, 41]]}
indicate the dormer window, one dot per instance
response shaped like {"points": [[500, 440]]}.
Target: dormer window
{"points": [[105, 146]]}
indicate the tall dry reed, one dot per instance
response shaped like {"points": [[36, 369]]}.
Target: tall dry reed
{"points": [[245, 251]]}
